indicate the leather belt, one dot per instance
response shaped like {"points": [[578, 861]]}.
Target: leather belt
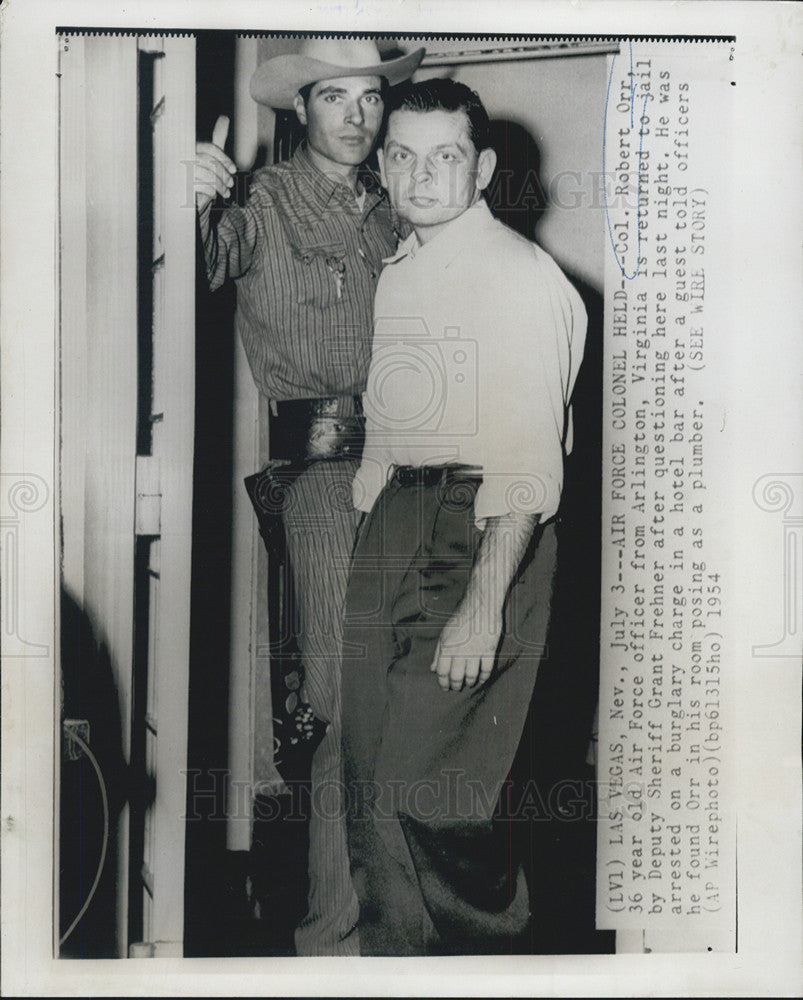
{"points": [[324, 429], [431, 475]]}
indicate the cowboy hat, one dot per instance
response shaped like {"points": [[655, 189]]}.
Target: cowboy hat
{"points": [[277, 81]]}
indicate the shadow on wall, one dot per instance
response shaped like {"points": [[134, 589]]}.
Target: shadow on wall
{"points": [[554, 746], [517, 197], [515, 194], [88, 693]]}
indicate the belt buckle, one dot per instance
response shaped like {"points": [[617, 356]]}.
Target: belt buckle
{"points": [[419, 475], [333, 437]]}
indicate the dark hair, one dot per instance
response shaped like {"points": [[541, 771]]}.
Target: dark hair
{"points": [[442, 94], [306, 90]]}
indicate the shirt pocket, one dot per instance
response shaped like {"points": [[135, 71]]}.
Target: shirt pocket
{"points": [[321, 276]]}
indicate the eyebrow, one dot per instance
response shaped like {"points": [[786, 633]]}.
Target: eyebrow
{"points": [[342, 90], [442, 145]]}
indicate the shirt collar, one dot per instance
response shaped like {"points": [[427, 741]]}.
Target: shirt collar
{"points": [[444, 247]]}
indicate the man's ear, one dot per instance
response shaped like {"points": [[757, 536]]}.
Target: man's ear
{"points": [[301, 111], [380, 155], [486, 162]]}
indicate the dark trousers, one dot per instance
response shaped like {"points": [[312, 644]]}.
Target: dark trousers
{"points": [[317, 528], [433, 864]]}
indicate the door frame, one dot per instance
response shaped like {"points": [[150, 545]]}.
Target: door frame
{"points": [[103, 503]]}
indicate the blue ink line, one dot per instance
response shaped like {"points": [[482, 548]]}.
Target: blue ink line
{"points": [[629, 277]]}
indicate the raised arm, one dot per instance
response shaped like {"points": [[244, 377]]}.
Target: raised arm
{"points": [[229, 245], [214, 171]]}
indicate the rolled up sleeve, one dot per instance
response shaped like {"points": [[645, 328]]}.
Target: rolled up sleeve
{"points": [[231, 240]]}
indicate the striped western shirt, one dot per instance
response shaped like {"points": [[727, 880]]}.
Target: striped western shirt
{"points": [[306, 261]]}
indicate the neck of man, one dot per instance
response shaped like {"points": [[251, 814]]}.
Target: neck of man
{"points": [[426, 233], [340, 172]]}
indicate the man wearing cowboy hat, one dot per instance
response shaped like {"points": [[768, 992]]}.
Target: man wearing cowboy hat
{"points": [[306, 251]]}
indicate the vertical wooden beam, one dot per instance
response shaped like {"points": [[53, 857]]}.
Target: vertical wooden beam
{"points": [[72, 276], [110, 403], [246, 137], [245, 603], [245, 538], [174, 397]]}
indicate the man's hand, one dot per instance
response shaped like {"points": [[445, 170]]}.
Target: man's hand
{"points": [[213, 169], [467, 646], [466, 651]]}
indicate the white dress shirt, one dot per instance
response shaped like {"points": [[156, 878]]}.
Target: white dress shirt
{"points": [[478, 338]]}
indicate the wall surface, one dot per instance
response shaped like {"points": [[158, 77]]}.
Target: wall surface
{"points": [[560, 102]]}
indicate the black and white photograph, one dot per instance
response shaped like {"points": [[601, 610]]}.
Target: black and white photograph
{"points": [[389, 662], [395, 565]]}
